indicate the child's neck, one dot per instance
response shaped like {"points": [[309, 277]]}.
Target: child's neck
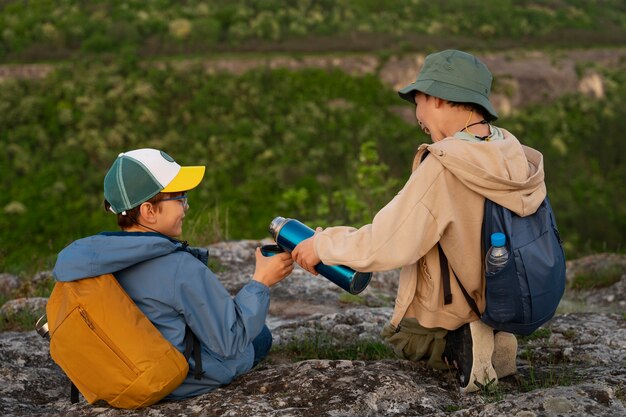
{"points": [[138, 228], [145, 229]]}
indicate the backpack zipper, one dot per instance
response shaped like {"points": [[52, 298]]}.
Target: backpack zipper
{"points": [[105, 339]]}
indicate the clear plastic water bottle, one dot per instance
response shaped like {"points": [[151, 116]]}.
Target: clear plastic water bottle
{"points": [[497, 255]]}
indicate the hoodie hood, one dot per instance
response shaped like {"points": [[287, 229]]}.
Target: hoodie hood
{"points": [[110, 252], [504, 171]]}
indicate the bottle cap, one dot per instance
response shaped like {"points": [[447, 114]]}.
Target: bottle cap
{"points": [[498, 239], [276, 225], [42, 327]]}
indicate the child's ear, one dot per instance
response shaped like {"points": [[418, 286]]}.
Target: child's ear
{"points": [[439, 102], [148, 212]]}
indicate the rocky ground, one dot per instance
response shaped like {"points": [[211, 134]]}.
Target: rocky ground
{"points": [[574, 366]]}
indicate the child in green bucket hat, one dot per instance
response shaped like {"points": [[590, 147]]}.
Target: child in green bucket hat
{"points": [[441, 206]]}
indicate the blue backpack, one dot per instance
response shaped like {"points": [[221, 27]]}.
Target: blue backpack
{"points": [[525, 293]]}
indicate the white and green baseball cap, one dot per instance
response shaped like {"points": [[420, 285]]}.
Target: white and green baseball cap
{"points": [[137, 176]]}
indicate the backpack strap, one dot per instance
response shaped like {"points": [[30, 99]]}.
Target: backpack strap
{"points": [[192, 344], [73, 393], [445, 275]]}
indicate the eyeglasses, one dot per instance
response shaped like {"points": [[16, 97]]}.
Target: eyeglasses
{"points": [[181, 198]]}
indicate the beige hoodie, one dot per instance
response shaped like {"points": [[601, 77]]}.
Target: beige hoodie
{"points": [[443, 201]]}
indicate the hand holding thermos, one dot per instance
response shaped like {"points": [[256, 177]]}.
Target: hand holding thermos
{"points": [[304, 254], [288, 233]]}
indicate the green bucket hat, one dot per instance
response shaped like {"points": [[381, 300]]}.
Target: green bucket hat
{"points": [[455, 76]]}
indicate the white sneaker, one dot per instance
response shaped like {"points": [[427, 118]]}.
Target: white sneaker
{"points": [[504, 354], [470, 350]]}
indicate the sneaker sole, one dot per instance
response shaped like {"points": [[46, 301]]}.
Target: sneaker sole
{"points": [[483, 372]]}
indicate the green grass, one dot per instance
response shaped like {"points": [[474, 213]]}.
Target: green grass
{"points": [[42, 288], [540, 333], [605, 276], [210, 225], [22, 321], [347, 298], [492, 392], [322, 346], [546, 375], [216, 266], [536, 376], [620, 394], [570, 334]]}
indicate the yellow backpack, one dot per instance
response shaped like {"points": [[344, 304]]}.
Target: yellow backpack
{"points": [[108, 348]]}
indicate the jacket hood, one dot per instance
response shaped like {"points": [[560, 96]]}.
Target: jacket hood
{"points": [[110, 252], [504, 171]]}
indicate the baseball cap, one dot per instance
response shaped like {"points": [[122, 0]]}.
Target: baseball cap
{"points": [[137, 176], [455, 76]]}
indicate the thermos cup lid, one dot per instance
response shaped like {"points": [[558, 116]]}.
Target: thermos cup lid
{"points": [[271, 250], [276, 225]]}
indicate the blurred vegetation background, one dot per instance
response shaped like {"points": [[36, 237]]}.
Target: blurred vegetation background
{"points": [[325, 146]]}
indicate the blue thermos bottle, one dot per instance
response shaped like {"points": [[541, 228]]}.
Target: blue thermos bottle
{"points": [[289, 232]]}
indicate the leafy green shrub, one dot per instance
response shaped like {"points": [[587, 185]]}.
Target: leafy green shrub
{"points": [[270, 140], [321, 146], [581, 140], [99, 26]]}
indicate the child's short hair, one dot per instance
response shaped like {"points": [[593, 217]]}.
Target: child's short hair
{"points": [[476, 108], [129, 217]]}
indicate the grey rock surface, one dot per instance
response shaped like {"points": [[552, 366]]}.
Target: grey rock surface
{"points": [[8, 283], [35, 305], [573, 366]]}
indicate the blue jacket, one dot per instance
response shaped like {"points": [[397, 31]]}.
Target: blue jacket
{"points": [[173, 286]]}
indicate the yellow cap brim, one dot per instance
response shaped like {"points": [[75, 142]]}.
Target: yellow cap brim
{"points": [[186, 179]]}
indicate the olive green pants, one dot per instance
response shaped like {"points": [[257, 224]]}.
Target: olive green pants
{"points": [[415, 342]]}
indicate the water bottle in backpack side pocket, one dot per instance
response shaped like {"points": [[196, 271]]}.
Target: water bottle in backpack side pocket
{"points": [[497, 255]]}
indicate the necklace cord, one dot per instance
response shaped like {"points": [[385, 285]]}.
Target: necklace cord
{"points": [[481, 122], [468, 119]]}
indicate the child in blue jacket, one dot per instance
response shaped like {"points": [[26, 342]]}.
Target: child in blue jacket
{"points": [[170, 281]]}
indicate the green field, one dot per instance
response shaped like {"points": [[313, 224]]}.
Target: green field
{"points": [[36, 30], [322, 146]]}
